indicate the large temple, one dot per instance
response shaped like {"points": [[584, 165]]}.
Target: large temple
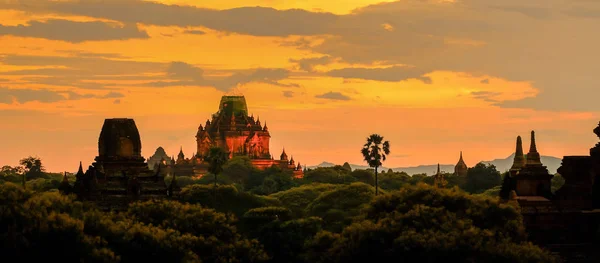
{"points": [[564, 221], [119, 174], [239, 134]]}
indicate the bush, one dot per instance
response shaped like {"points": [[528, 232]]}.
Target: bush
{"points": [[427, 224]]}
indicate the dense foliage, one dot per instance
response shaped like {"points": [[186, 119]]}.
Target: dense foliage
{"points": [[331, 215], [426, 224]]}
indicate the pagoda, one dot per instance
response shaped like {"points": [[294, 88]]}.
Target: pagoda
{"points": [[461, 167], [519, 160], [567, 220], [533, 179], [119, 174]]}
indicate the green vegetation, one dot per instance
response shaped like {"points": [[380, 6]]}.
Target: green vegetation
{"points": [[331, 215]]}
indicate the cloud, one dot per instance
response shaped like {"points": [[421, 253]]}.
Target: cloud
{"points": [[308, 64], [85, 54], [184, 74], [333, 96], [74, 32], [486, 95], [81, 70], [288, 93], [485, 81], [87, 71], [544, 42], [110, 95], [390, 74], [117, 101], [194, 32], [242, 20], [536, 12], [88, 65], [8, 96]]}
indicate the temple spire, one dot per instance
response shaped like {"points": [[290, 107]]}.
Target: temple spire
{"points": [[64, 186], [533, 157], [80, 170], [461, 159], [438, 168], [519, 160]]}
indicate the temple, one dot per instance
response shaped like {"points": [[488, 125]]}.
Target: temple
{"points": [[461, 167], [239, 134], [564, 221], [119, 174]]}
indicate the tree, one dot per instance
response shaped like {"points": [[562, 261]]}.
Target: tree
{"points": [[364, 176], [327, 175], [217, 157], [297, 199], [238, 169], [229, 199], [338, 207], [347, 166], [32, 168], [429, 224], [557, 182], [482, 177], [506, 187], [374, 152]]}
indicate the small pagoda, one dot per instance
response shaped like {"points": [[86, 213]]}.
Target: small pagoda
{"points": [[461, 167]]}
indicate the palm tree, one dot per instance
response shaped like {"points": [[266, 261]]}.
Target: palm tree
{"points": [[216, 158], [374, 154]]}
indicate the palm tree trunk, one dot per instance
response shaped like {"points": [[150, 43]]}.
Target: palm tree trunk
{"points": [[376, 182]]}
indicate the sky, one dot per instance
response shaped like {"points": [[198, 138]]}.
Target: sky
{"points": [[434, 77]]}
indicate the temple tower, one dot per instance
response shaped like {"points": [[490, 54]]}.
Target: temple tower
{"points": [[119, 148], [519, 160], [533, 179], [461, 167]]}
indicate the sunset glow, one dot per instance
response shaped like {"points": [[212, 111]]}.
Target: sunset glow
{"points": [[433, 77]]}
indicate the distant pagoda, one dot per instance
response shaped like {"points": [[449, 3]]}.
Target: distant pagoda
{"points": [[461, 167]]}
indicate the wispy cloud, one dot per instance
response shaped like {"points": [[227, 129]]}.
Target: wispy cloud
{"points": [[72, 31], [333, 96]]}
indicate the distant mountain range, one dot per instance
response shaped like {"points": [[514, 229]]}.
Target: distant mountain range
{"points": [[502, 165]]}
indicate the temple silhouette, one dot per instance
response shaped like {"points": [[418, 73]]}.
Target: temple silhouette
{"points": [[567, 221], [238, 133], [119, 174]]}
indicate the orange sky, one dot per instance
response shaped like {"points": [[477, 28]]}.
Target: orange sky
{"points": [[433, 77]]}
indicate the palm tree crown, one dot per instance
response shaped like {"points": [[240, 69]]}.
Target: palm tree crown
{"points": [[216, 158], [375, 152]]}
